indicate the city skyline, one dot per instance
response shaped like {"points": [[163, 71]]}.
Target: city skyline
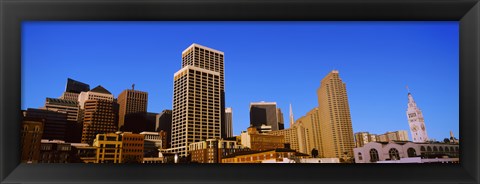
{"points": [[385, 112]]}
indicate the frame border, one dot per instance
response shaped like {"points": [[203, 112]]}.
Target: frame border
{"points": [[12, 12]]}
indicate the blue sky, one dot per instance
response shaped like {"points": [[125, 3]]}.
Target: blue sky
{"points": [[264, 61]]}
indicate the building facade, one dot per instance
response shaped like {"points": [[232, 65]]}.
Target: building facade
{"points": [[54, 124], [198, 98], [416, 121], [335, 121], [255, 141], [264, 113], [109, 148], [229, 122], [281, 123], [97, 93], [164, 123], [74, 120], [295, 136], [278, 154], [132, 147], [311, 124], [99, 118], [131, 101], [153, 142], [73, 89], [32, 130], [397, 150], [362, 138], [212, 150], [55, 151]]}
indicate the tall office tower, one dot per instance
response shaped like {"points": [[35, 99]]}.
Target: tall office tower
{"points": [[99, 113], [198, 98], [164, 123], [131, 101], [416, 121], [229, 122], [281, 124], [73, 89], [99, 118], [292, 121], [264, 113], [311, 122], [71, 108], [335, 121]]}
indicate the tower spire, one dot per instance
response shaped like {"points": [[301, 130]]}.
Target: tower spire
{"points": [[291, 116], [408, 90]]}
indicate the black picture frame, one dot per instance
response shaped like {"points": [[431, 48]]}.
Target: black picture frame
{"points": [[13, 12]]}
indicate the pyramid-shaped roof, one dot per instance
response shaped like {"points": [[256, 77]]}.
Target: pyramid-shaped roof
{"points": [[100, 89]]}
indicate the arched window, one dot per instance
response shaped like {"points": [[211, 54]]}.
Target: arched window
{"points": [[394, 154], [429, 149], [441, 149], [37, 128], [422, 148], [435, 149], [360, 156], [411, 152], [374, 155]]}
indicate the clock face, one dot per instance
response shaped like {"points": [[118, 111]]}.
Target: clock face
{"points": [[414, 128]]}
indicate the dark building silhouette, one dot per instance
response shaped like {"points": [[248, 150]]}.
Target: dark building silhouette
{"points": [[264, 113], [76, 86], [55, 123], [71, 108], [139, 122], [164, 122], [32, 130]]}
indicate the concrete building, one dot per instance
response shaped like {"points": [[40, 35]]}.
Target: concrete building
{"points": [[54, 151], [73, 89], [252, 156], [153, 142], [397, 150], [264, 113], [335, 121], [198, 98], [99, 118], [416, 121], [213, 150], [295, 136], [84, 153], [255, 141], [132, 147], [54, 124], [229, 122], [32, 130], [109, 148], [311, 124], [74, 122], [281, 123], [362, 138], [164, 123], [131, 101], [97, 93]]}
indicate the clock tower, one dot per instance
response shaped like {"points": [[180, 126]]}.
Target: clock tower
{"points": [[416, 121]]}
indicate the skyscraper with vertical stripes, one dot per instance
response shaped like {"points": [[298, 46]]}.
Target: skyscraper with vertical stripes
{"points": [[198, 98]]}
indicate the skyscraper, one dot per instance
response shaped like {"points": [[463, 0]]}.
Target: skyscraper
{"points": [[164, 122], [264, 113], [416, 121], [131, 101], [229, 122], [198, 98], [281, 123], [311, 123], [335, 121]]}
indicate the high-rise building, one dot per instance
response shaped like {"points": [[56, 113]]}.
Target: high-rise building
{"points": [[97, 93], [131, 101], [362, 138], [311, 123], [335, 121], [73, 89], [295, 136], [416, 121], [198, 98], [264, 113], [229, 122], [99, 118], [281, 123], [164, 123]]}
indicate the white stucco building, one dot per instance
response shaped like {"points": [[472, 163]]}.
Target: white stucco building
{"points": [[374, 152]]}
